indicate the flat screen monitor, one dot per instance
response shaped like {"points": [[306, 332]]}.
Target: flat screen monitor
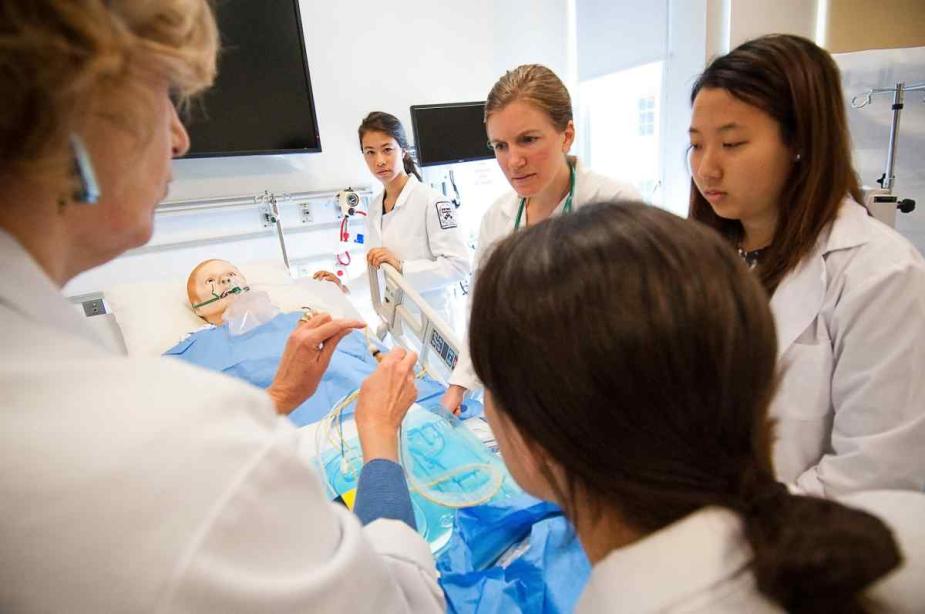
{"points": [[449, 133], [261, 102]]}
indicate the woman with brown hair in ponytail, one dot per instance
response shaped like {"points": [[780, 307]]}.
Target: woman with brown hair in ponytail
{"points": [[635, 395], [771, 171], [409, 225], [530, 128]]}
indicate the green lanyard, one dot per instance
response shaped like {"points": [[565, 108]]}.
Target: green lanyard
{"points": [[568, 201]]}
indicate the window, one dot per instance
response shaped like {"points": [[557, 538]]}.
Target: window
{"points": [[620, 126], [647, 116]]}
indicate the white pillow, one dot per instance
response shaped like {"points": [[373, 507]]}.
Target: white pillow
{"points": [[154, 316]]}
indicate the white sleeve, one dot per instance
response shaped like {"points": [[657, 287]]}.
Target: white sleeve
{"points": [[373, 223], [464, 373], [273, 543], [619, 191], [878, 388], [450, 261]]}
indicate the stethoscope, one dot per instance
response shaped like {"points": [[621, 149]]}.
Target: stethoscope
{"points": [[567, 208]]}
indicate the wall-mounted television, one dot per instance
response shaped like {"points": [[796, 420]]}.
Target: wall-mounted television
{"points": [[262, 101], [449, 133]]}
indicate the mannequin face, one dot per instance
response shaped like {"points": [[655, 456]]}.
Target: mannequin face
{"points": [[528, 147], [383, 155], [210, 279]]}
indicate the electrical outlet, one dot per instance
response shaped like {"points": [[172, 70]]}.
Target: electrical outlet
{"points": [[305, 212], [94, 307]]}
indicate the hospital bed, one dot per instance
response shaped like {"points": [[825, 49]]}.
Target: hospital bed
{"points": [[447, 466], [411, 323], [527, 537], [150, 315], [146, 318]]}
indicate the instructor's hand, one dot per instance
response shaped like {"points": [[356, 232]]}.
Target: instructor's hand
{"points": [[306, 358], [385, 398]]}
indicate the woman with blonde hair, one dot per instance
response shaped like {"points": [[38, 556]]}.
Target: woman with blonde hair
{"points": [[528, 120], [144, 484]]}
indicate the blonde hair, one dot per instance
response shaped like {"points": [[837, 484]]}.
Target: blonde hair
{"points": [[536, 85], [59, 58]]}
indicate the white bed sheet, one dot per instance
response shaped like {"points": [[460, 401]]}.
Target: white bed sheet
{"points": [[154, 316]]}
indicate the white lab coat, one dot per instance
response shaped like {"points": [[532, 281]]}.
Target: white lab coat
{"points": [[701, 564], [850, 409], [422, 231], [498, 223], [147, 485]]}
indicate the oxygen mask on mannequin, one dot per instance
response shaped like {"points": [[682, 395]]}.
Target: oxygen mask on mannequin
{"points": [[248, 311]]}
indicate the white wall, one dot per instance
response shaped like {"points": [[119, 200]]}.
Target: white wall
{"points": [[366, 56], [363, 56]]}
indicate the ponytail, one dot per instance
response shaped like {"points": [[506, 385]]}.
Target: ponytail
{"points": [[410, 167], [656, 432], [814, 555]]}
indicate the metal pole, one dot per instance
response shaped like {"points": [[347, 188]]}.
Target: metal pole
{"points": [[274, 211], [888, 176]]}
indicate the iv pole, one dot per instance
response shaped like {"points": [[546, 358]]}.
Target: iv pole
{"points": [[882, 203]]}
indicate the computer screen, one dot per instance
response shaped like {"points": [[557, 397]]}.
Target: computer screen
{"points": [[261, 102], [448, 133]]}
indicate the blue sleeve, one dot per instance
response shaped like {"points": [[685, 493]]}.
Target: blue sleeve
{"points": [[382, 492]]}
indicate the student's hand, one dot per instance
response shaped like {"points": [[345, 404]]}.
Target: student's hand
{"points": [[328, 276], [385, 398], [305, 359], [381, 255], [453, 398]]}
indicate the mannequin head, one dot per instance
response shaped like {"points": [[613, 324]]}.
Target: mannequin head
{"points": [[211, 280]]}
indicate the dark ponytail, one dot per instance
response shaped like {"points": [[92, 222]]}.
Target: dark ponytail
{"points": [[410, 166], [815, 555], [378, 121], [656, 404]]}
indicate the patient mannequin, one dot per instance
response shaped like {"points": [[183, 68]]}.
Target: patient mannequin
{"points": [[216, 289], [212, 286]]}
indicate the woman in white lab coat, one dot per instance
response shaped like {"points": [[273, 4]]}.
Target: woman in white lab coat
{"points": [[136, 485], [771, 165], [528, 119], [635, 396], [409, 225]]}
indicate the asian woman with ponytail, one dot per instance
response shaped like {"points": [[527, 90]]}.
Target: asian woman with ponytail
{"points": [[409, 225], [636, 395]]}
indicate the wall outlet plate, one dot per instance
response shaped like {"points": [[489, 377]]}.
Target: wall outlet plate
{"points": [[305, 213]]}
